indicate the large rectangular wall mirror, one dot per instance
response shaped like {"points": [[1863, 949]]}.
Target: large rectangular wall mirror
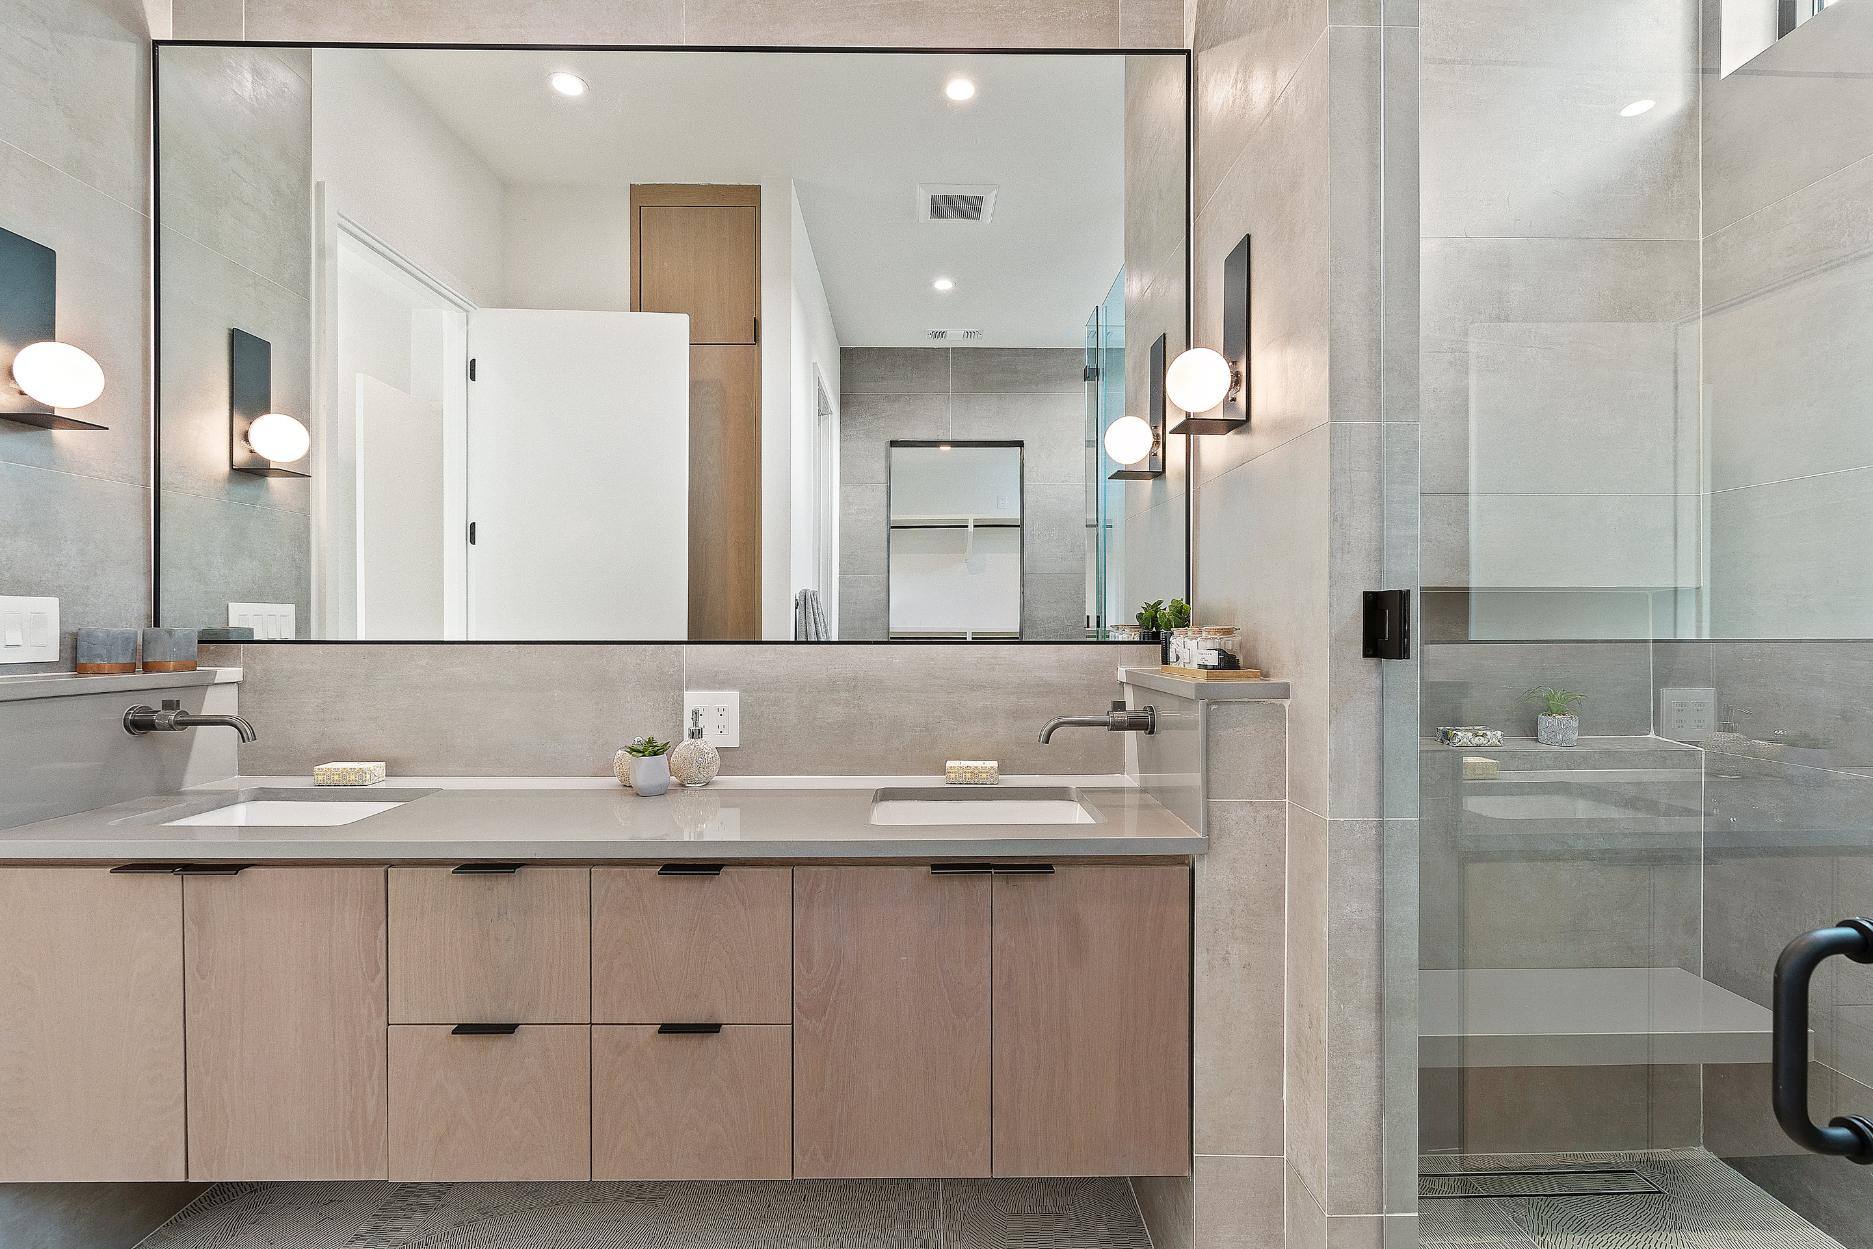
{"points": [[625, 344]]}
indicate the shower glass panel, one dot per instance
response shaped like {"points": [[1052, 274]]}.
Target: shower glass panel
{"points": [[1105, 499], [1643, 487]]}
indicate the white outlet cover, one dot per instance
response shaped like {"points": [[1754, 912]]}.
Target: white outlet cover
{"points": [[721, 715], [29, 630], [1687, 714], [269, 621]]}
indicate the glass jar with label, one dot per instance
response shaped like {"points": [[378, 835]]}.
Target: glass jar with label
{"points": [[1217, 647]]}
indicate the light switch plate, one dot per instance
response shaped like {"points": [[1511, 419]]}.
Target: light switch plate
{"points": [[29, 630], [269, 621], [1687, 715], [721, 715]]}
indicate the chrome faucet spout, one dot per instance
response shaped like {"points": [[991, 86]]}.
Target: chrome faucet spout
{"points": [[1120, 719], [172, 719]]}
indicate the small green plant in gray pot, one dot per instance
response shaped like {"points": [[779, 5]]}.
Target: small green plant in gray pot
{"points": [[650, 766], [1557, 725]]}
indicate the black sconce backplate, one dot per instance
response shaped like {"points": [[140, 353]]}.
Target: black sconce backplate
{"points": [[1152, 466], [1233, 414], [250, 396], [28, 315]]}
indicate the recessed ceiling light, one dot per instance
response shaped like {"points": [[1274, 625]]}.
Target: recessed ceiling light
{"points": [[567, 84], [1638, 106], [960, 89], [943, 284]]}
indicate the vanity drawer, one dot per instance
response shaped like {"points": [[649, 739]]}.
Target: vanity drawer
{"points": [[504, 1106], [689, 1106], [712, 947], [476, 945]]}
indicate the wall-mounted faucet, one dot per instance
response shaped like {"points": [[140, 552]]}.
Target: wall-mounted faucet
{"points": [[172, 719], [1121, 719]]}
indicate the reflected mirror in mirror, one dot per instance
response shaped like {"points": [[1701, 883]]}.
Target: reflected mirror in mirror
{"points": [[670, 358]]}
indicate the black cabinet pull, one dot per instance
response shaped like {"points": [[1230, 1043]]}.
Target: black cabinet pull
{"points": [[150, 869], [485, 869], [690, 869], [1024, 869], [484, 1029], [688, 1029], [961, 869], [212, 869]]}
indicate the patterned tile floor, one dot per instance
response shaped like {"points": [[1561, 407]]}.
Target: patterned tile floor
{"points": [[798, 1214], [1699, 1204]]}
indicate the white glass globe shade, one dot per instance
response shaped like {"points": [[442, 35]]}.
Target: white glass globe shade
{"points": [[279, 438], [1128, 440], [58, 375], [1198, 380]]}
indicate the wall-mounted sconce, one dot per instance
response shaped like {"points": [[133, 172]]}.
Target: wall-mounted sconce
{"points": [[1136, 443], [1212, 387], [41, 374], [260, 440]]}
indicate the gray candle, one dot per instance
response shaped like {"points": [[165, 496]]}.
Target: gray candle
{"points": [[169, 650], [106, 650]]}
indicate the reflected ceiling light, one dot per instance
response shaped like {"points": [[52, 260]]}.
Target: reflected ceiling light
{"points": [[278, 437], [1199, 380], [1130, 439], [58, 375], [960, 89], [944, 285], [1637, 107], [567, 84]]}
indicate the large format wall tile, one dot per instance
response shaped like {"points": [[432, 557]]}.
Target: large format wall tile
{"points": [[1485, 683], [74, 79], [440, 21], [905, 23], [893, 371], [215, 552], [1793, 559], [1248, 52], [83, 540]]}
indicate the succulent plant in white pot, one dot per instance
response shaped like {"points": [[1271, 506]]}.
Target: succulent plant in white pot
{"points": [[648, 763], [1557, 725]]}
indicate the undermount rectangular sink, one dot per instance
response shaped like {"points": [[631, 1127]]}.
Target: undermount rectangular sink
{"points": [[956, 805], [286, 808]]}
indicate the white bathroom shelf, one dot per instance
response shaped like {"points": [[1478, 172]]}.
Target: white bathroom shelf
{"points": [[1584, 1017]]}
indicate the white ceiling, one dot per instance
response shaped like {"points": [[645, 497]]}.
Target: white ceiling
{"points": [[856, 134]]}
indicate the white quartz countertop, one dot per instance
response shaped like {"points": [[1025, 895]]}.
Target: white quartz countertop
{"points": [[457, 819]]}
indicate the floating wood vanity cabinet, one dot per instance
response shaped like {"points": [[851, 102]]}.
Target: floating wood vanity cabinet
{"points": [[692, 1103], [689, 943], [490, 1103], [285, 978], [90, 1025], [489, 942]]}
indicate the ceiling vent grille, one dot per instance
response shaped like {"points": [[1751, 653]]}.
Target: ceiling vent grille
{"points": [[971, 204], [955, 336]]}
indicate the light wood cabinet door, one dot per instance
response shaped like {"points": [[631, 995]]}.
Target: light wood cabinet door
{"points": [[692, 948], [891, 1023], [490, 947], [1092, 1021], [703, 260], [713, 1106], [90, 1025], [286, 1023], [512, 1106]]}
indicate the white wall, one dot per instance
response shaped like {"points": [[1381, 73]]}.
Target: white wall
{"points": [[568, 247], [390, 164], [814, 346]]}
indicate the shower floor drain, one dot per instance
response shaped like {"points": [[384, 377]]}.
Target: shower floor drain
{"points": [[1538, 1182]]}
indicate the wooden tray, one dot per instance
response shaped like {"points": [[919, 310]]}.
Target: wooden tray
{"points": [[1213, 674]]}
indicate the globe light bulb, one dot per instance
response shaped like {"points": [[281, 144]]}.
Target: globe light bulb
{"points": [[279, 438], [1198, 380], [1129, 440], [58, 375]]}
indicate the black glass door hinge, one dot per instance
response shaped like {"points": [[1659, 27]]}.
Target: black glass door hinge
{"points": [[1388, 624]]}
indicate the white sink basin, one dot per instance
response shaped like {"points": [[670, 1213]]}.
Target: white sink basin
{"points": [[979, 806], [285, 813]]}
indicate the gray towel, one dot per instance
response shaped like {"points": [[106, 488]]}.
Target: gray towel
{"points": [[809, 618]]}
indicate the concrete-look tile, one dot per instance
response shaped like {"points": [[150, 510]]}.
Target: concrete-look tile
{"points": [[862, 532], [1156, 187], [1278, 194], [1053, 606], [905, 23], [1017, 370], [1235, 1202], [868, 423], [1248, 52], [1485, 684], [1304, 1223], [1051, 428], [1151, 562], [205, 295], [1784, 393], [567, 709], [1822, 224], [74, 82], [1399, 238], [1151, 24], [1797, 113], [1356, 1007], [442, 21], [906, 709], [91, 1216], [861, 609], [1755, 902], [102, 258], [1168, 764], [1373, 1231], [894, 371], [1513, 1110], [1247, 749], [1356, 546], [1240, 933], [82, 540], [1400, 1140], [1738, 1121], [1164, 1203], [1767, 691], [1308, 1041], [1275, 510], [208, 19], [1353, 12], [1355, 112], [1675, 1111], [236, 139], [1793, 559], [215, 552], [1562, 913]]}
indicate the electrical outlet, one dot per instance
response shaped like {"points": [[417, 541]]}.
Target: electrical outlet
{"points": [[1687, 715], [29, 630], [721, 715]]}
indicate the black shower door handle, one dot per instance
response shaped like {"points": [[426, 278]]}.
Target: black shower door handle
{"points": [[1849, 1136]]}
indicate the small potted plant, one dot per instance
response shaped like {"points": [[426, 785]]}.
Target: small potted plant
{"points": [[1173, 619], [649, 762], [1150, 620], [1557, 725]]}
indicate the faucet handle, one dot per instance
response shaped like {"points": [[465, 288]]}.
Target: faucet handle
{"points": [[172, 704]]}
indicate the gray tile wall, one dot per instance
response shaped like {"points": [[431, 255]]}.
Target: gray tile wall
{"points": [[1036, 395]]}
